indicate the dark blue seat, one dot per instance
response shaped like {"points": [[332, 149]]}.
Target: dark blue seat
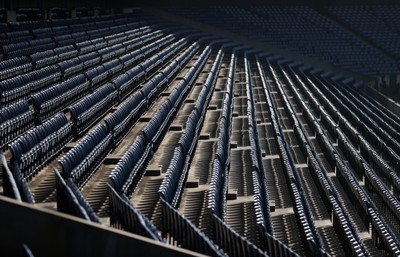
{"points": [[124, 84], [70, 67], [64, 40], [58, 97], [43, 44], [43, 58], [79, 36], [129, 164], [85, 112], [41, 143], [65, 52], [18, 36], [44, 32], [15, 120], [90, 59], [16, 49], [71, 201], [120, 121], [81, 161], [113, 67], [60, 30], [85, 47], [171, 185]]}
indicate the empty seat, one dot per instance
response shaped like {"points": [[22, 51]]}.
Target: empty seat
{"points": [[39, 144], [43, 44], [85, 112], [15, 120], [81, 161]]}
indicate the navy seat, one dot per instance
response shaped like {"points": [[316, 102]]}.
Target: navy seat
{"points": [[136, 73], [18, 36], [124, 84], [121, 121], [85, 112], [16, 49], [113, 67], [90, 59], [58, 97], [60, 30], [44, 77], [115, 38], [43, 44], [10, 92], [15, 120], [71, 201], [79, 36], [42, 32], [96, 76], [85, 47], [84, 159], [171, 185], [64, 40], [39, 144], [43, 58], [65, 52], [70, 67], [15, 66], [131, 59], [98, 43], [122, 213], [129, 164]]}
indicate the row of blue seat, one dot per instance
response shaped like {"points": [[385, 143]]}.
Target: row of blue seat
{"points": [[15, 66], [124, 216], [359, 164], [71, 201], [381, 139], [56, 98], [173, 182], [20, 87], [301, 206], [123, 176], [48, 31], [68, 67], [378, 224], [356, 160], [186, 234], [38, 145], [15, 120], [371, 126], [52, 56], [81, 161], [387, 174], [98, 99], [90, 108], [10, 186], [261, 203], [349, 233], [73, 24], [376, 107], [218, 183], [43, 57], [389, 125], [28, 47], [122, 120]]}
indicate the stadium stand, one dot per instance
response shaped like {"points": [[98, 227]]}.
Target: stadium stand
{"points": [[190, 138]]}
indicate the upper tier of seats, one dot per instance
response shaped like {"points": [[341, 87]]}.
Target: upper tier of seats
{"points": [[365, 47]]}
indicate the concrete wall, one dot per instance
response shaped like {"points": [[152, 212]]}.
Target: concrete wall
{"points": [[49, 234]]}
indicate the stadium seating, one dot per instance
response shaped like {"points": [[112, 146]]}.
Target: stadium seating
{"points": [[205, 143], [82, 161]]}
